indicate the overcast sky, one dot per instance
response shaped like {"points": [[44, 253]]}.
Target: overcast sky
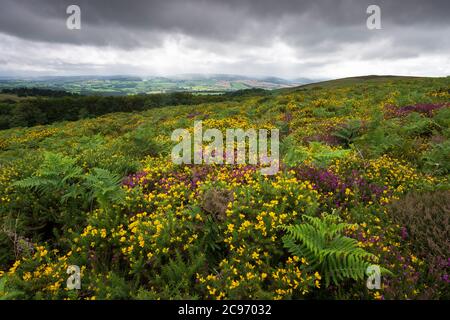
{"points": [[290, 39]]}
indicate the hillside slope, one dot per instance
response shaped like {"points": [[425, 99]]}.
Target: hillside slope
{"points": [[357, 81], [363, 180]]}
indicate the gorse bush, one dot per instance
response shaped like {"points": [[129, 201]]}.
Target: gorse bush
{"points": [[322, 243]]}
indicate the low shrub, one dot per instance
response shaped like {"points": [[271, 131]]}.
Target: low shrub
{"points": [[424, 218]]}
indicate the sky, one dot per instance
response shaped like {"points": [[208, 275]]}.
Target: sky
{"points": [[283, 38]]}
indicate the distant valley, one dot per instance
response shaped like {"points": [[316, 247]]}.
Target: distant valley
{"points": [[126, 85]]}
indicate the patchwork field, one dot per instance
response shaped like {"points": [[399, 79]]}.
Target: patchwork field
{"points": [[123, 85]]}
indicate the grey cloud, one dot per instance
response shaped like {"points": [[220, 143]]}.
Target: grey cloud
{"points": [[138, 22]]}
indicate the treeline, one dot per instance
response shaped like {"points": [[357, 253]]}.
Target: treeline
{"points": [[37, 92], [40, 110], [248, 92]]}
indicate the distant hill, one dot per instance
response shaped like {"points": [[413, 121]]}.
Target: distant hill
{"points": [[119, 85], [354, 80]]}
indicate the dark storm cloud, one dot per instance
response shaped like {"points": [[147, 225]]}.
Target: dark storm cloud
{"points": [[143, 23]]}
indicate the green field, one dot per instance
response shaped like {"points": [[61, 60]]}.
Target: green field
{"points": [[122, 85]]}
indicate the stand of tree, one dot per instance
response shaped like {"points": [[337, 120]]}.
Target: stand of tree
{"points": [[46, 110], [38, 92]]}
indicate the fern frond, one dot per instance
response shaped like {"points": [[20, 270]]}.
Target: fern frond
{"points": [[320, 241]]}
